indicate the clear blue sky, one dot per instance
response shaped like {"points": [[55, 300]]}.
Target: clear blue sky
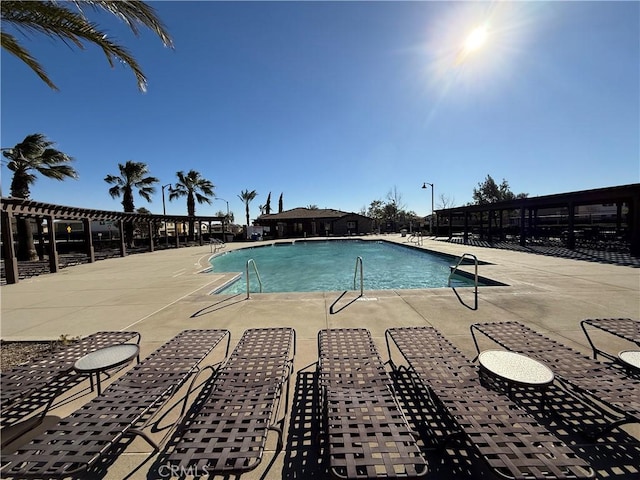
{"points": [[338, 103]]}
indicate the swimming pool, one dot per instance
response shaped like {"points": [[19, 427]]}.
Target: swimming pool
{"points": [[312, 266]]}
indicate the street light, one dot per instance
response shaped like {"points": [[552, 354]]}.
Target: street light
{"points": [[164, 210], [164, 213], [218, 198], [424, 185]]}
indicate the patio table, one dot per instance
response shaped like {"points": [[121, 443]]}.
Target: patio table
{"points": [[105, 359], [631, 359], [515, 369]]}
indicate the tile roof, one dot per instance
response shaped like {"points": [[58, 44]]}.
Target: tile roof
{"points": [[301, 212]]}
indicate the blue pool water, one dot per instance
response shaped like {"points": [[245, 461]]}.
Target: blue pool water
{"points": [[309, 266]]}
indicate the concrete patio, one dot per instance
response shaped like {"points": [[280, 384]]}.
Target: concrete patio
{"points": [[161, 293]]}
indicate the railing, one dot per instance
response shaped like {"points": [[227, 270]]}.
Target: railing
{"points": [[355, 275], [255, 269], [216, 245], [475, 278], [415, 238]]}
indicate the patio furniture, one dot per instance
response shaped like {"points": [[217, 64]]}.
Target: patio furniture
{"points": [[509, 440], [29, 387], [588, 380], [368, 435], [105, 359], [226, 430], [511, 369], [82, 440], [624, 328]]}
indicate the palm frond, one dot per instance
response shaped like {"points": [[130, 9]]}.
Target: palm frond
{"points": [[58, 172], [11, 45], [133, 14], [56, 21], [202, 198]]}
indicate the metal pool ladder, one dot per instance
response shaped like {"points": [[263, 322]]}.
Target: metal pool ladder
{"points": [[475, 277], [251, 261], [355, 274]]}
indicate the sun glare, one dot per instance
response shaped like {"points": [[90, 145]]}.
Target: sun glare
{"points": [[476, 39], [474, 42]]}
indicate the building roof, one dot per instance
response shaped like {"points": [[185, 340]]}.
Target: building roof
{"points": [[306, 213]]}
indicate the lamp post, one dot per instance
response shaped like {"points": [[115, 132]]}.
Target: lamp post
{"points": [[164, 213], [218, 198], [424, 185]]}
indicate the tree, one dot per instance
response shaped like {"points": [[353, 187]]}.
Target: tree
{"points": [[195, 188], [376, 212], [58, 21], [141, 225], [490, 192], [229, 217], [312, 207], [31, 156], [280, 204], [446, 201], [133, 175], [247, 196], [267, 206]]}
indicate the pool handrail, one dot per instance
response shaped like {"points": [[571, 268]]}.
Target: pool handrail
{"points": [[251, 261], [355, 273], [475, 277]]}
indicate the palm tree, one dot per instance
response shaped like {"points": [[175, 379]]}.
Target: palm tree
{"points": [[34, 155], [58, 21], [190, 185], [247, 196], [133, 175], [267, 206]]}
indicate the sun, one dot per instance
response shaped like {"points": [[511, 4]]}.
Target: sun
{"points": [[476, 39], [474, 42]]}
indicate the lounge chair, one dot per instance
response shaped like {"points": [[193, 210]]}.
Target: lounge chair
{"points": [[624, 328], [368, 435], [511, 442], [588, 380], [78, 442], [29, 387], [226, 431]]}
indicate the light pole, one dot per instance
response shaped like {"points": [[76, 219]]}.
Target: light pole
{"points": [[164, 213], [424, 185], [218, 198]]}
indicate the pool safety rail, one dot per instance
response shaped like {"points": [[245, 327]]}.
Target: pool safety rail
{"points": [[475, 276], [355, 275], [216, 245], [415, 238], [251, 261]]}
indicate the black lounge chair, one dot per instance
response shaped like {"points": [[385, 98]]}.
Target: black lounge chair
{"points": [[624, 328], [586, 379], [226, 430], [368, 434], [511, 442], [29, 387], [78, 442]]}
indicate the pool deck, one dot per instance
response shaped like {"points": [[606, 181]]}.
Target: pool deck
{"points": [[161, 293]]}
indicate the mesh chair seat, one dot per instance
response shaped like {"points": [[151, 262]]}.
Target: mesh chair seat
{"points": [[510, 441], [226, 431], [80, 440], [368, 435]]}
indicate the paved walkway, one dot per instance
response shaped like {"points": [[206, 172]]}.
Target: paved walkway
{"points": [[161, 293]]}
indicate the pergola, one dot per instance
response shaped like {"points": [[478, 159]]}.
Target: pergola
{"points": [[18, 207], [528, 209]]}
